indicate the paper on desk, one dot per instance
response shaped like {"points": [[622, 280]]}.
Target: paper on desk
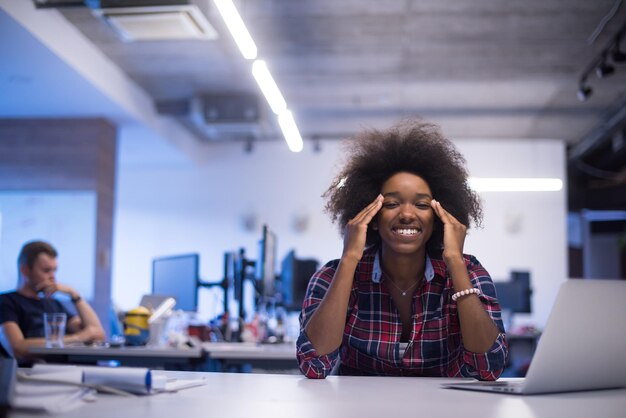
{"points": [[50, 398], [135, 380], [68, 375], [161, 383]]}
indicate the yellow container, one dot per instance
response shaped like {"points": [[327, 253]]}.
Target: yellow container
{"points": [[136, 327]]}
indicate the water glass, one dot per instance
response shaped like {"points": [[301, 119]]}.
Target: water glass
{"points": [[54, 327]]}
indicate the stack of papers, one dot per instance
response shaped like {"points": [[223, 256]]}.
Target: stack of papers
{"points": [[48, 397], [138, 381], [127, 379], [59, 388]]}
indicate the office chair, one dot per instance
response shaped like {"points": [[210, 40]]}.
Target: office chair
{"points": [[4, 353]]}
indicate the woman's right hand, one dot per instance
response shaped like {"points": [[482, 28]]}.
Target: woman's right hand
{"points": [[355, 232]]}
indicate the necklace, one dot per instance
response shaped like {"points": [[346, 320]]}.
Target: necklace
{"points": [[398, 287]]}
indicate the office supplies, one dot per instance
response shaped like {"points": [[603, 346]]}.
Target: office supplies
{"points": [[50, 397], [49, 384], [57, 389], [158, 321], [583, 346], [125, 379], [162, 310]]}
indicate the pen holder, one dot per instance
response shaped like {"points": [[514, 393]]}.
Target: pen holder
{"points": [[157, 333]]}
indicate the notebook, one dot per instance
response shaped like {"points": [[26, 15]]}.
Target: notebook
{"points": [[583, 346]]}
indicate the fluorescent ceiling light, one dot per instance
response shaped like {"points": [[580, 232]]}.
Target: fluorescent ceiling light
{"points": [[290, 131], [261, 74], [237, 28], [515, 184], [268, 86]]}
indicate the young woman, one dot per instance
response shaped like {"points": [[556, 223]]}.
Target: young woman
{"points": [[403, 299]]}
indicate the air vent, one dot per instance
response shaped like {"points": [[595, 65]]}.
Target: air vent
{"points": [[158, 23], [225, 117]]}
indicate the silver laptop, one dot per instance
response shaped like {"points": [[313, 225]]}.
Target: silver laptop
{"points": [[153, 301], [583, 346]]}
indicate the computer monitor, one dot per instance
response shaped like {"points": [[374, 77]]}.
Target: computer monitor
{"points": [[294, 277], [236, 268], [266, 264], [515, 295], [177, 276]]}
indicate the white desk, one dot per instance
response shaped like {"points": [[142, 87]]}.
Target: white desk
{"points": [[128, 356], [265, 356], [227, 355], [251, 351], [261, 395]]}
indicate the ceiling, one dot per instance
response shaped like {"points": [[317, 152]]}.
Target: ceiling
{"points": [[480, 69], [485, 68]]}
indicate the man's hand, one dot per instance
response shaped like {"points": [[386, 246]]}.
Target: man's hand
{"points": [[51, 287]]}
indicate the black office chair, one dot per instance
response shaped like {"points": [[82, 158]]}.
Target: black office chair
{"points": [[4, 353], [8, 369]]}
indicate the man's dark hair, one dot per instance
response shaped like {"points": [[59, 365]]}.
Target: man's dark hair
{"points": [[414, 147], [31, 250]]}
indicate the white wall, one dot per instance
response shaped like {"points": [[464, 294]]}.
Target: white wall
{"points": [[65, 219], [522, 230], [169, 209]]}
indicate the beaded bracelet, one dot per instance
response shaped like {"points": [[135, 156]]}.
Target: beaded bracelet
{"points": [[465, 292]]}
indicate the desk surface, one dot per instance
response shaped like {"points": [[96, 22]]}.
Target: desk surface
{"points": [[264, 395], [250, 351], [117, 351]]}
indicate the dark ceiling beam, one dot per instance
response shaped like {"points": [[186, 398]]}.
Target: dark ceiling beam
{"points": [[602, 132]]}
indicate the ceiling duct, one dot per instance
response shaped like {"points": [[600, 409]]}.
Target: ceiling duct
{"points": [[42, 4], [226, 117], [154, 20]]}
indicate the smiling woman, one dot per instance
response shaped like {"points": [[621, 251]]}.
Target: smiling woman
{"points": [[412, 147], [403, 299]]}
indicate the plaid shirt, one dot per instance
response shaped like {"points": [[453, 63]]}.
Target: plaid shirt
{"points": [[371, 340]]}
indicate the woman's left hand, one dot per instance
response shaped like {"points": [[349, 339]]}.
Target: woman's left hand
{"points": [[454, 232]]}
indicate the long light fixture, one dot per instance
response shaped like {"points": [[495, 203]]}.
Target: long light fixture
{"points": [[237, 28], [261, 74], [515, 184], [268, 86], [290, 131]]}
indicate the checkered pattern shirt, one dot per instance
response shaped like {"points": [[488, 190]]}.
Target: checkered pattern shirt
{"points": [[371, 339]]}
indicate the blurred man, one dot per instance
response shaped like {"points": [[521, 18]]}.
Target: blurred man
{"points": [[21, 311]]}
